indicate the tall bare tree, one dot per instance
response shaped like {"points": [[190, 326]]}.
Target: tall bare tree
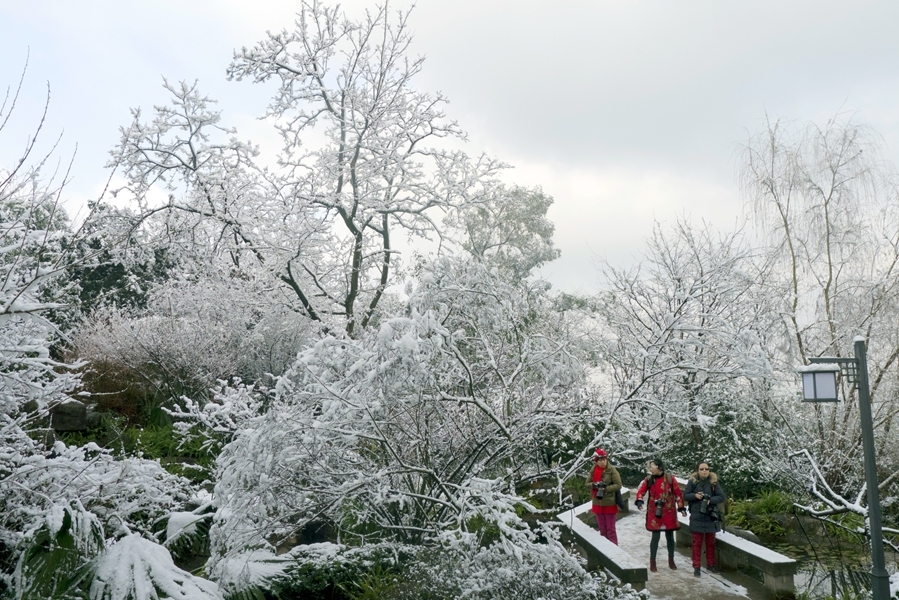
{"points": [[825, 199], [361, 162]]}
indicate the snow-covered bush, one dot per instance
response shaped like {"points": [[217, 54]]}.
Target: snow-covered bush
{"points": [[423, 426], [209, 426], [57, 507], [126, 494], [451, 566], [66, 558], [58, 547], [194, 334], [315, 571], [138, 569], [466, 570]]}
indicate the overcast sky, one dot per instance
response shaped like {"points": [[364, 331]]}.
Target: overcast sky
{"points": [[625, 112]]}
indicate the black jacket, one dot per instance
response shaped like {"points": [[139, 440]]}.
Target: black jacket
{"points": [[712, 490]]}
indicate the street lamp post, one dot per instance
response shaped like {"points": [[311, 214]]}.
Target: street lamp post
{"points": [[819, 385]]}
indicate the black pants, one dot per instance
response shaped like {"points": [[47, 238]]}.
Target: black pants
{"points": [[654, 543]]}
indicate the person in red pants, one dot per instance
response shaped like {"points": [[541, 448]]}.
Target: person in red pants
{"points": [[604, 481], [703, 494]]}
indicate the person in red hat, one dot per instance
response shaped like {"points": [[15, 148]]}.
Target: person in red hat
{"points": [[604, 481]]}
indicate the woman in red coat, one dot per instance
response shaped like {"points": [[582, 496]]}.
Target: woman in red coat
{"points": [[665, 499]]}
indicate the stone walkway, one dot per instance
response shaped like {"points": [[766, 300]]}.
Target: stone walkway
{"points": [[681, 584]]}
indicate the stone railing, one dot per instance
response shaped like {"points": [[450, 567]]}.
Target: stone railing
{"points": [[734, 552], [601, 553]]}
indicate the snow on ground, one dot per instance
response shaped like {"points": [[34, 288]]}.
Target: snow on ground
{"points": [[677, 585]]}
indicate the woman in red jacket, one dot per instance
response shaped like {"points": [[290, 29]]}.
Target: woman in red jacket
{"points": [[665, 499]]}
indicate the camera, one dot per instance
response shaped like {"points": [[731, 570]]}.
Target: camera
{"points": [[600, 488], [659, 504], [707, 508]]}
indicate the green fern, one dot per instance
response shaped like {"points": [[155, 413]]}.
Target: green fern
{"points": [[191, 538], [57, 560]]}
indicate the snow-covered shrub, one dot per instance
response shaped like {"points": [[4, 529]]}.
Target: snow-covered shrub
{"points": [[466, 570], [413, 429], [30, 379], [318, 571], [195, 334], [246, 574], [134, 568], [186, 533], [452, 566], [211, 425], [57, 553], [64, 556], [125, 494]]}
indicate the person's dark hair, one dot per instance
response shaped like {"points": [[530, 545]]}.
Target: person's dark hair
{"points": [[658, 462], [703, 462]]}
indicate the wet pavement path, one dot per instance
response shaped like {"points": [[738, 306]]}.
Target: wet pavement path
{"points": [[681, 583]]}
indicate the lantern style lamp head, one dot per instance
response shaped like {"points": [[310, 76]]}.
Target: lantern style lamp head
{"points": [[819, 382]]}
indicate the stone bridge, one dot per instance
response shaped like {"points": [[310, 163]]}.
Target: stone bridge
{"points": [[740, 559]]}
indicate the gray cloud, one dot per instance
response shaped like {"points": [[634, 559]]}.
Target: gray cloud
{"points": [[606, 104]]}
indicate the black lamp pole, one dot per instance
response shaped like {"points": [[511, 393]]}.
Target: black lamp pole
{"points": [[880, 579]]}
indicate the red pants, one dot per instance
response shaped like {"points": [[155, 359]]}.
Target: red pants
{"points": [[606, 525], [709, 549]]}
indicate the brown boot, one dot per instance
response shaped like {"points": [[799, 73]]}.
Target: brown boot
{"points": [[671, 564], [652, 565]]}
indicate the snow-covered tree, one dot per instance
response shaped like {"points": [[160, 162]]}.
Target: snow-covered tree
{"points": [[826, 200], [683, 338], [34, 233], [424, 425], [361, 165], [508, 230]]}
